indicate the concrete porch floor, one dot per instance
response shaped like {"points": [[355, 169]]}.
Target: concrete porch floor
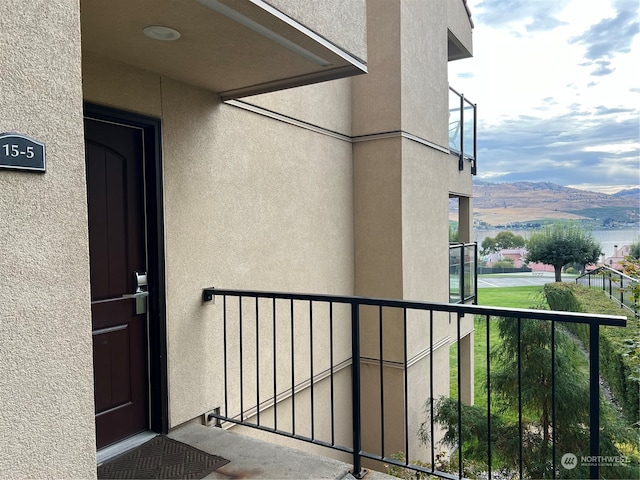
{"points": [[252, 458]]}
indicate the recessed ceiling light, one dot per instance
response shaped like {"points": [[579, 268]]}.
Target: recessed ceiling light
{"points": [[160, 32]]}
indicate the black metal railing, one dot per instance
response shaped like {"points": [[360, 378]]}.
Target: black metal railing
{"points": [[463, 272], [620, 287], [463, 129], [360, 375]]}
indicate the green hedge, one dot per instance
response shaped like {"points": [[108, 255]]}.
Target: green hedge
{"points": [[619, 370]]}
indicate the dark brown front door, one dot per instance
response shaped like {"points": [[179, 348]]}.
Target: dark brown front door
{"points": [[117, 246]]}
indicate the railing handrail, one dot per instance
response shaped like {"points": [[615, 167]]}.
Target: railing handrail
{"points": [[606, 268], [355, 302], [462, 152], [524, 313]]}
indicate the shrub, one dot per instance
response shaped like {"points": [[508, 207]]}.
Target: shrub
{"points": [[618, 362]]}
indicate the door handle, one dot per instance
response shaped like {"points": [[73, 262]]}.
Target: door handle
{"points": [[140, 294], [141, 301]]}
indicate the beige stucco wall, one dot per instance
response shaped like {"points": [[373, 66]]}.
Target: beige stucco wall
{"points": [[378, 218], [377, 95], [424, 70], [333, 113], [425, 223], [324, 417], [402, 184], [249, 202], [458, 23], [46, 377], [374, 218], [340, 21]]}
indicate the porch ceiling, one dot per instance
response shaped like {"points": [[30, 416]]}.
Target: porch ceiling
{"points": [[214, 51]]}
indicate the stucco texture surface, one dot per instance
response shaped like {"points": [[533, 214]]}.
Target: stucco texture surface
{"points": [[254, 203], [250, 203], [341, 21], [46, 378]]}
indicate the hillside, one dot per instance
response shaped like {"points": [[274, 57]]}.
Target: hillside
{"points": [[631, 192], [529, 202]]}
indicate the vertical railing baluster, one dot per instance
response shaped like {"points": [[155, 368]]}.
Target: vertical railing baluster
{"points": [[381, 353], [520, 463], [594, 395], [257, 363], [333, 421], [475, 270], [241, 360], [311, 368], [226, 358], [552, 438], [293, 375], [553, 397], [431, 399], [355, 385], [275, 367], [462, 274], [489, 395], [461, 157], [406, 385], [474, 166], [459, 360]]}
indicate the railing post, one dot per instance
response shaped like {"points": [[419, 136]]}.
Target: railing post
{"points": [[461, 158], [459, 379], [474, 165], [594, 396], [462, 272], [475, 274], [355, 387]]}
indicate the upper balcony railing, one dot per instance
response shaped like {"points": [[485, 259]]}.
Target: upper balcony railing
{"points": [[463, 272], [366, 376], [621, 288], [462, 129]]}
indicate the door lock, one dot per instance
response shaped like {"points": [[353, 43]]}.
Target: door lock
{"points": [[141, 293]]}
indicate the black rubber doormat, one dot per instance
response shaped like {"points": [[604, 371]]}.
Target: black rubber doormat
{"points": [[162, 457]]}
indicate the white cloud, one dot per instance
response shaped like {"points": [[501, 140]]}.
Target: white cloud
{"points": [[546, 100], [614, 147], [594, 187]]}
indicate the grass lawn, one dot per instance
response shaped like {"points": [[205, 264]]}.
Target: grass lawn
{"points": [[510, 297]]}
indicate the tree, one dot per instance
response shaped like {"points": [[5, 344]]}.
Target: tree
{"points": [[501, 241], [635, 250], [559, 245], [531, 339], [453, 233], [631, 267]]}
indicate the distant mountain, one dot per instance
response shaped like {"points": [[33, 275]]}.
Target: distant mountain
{"points": [[630, 192], [536, 202]]}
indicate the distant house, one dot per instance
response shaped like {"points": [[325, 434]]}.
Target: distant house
{"points": [[615, 260], [506, 254]]}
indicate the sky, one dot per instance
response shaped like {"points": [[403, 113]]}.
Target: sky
{"points": [[557, 84]]}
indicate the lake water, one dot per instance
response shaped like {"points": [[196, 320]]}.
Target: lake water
{"points": [[607, 238]]}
